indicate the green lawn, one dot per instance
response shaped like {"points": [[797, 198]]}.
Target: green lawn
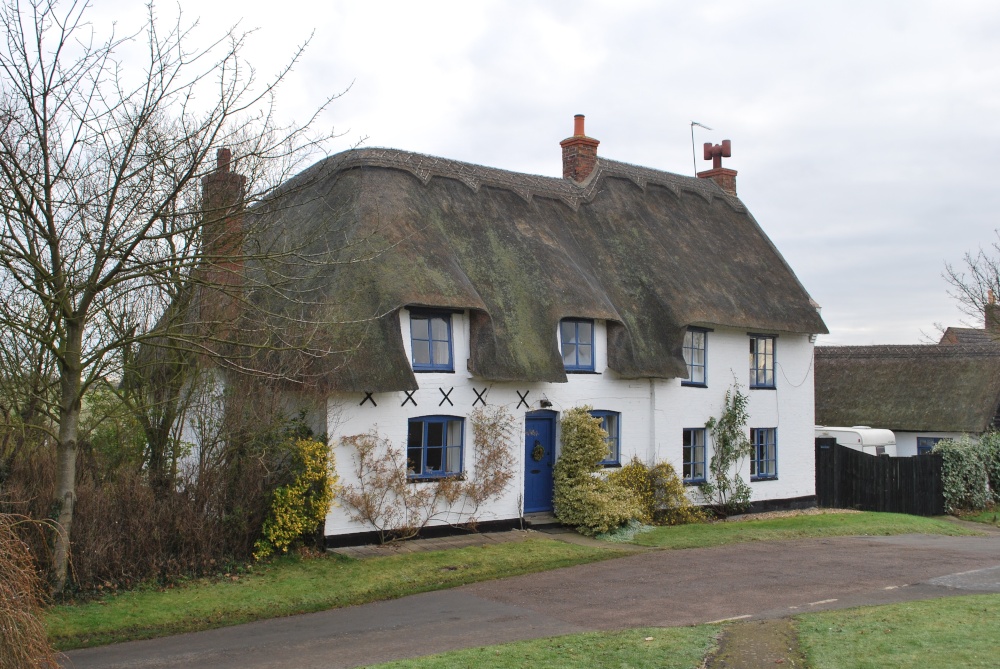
{"points": [[795, 527], [950, 632], [641, 648], [938, 633], [989, 517], [292, 585]]}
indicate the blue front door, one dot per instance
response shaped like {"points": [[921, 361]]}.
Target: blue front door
{"points": [[539, 456]]}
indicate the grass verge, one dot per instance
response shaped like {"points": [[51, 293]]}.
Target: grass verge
{"points": [[949, 632], [293, 585], [988, 516], [666, 648], [796, 527]]}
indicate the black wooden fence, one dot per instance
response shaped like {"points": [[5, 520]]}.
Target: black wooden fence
{"points": [[849, 479]]}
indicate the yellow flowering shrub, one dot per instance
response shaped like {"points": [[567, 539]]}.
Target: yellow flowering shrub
{"points": [[297, 509]]}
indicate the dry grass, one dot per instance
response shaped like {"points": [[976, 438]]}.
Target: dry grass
{"points": [[24, 642]]}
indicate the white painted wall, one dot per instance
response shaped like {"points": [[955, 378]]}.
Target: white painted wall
{"points": [[906, 442], [653, 412]]}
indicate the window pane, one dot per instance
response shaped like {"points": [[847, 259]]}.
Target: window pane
{"points": [[454, 433], [418, 326], [434, 459], [439, 328], [454, 464], [586, 357], [421, 352], [585, 332], [568, 333], [569, 354], [441, 356], [414, 450], [413, 458], [435, 434]]}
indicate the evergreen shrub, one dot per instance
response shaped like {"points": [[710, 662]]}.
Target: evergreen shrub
{"points": [[582, 497], [964, 474], [659, 491]]}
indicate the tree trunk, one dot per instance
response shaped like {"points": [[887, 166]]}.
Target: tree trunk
{"points": [[70, 382]]}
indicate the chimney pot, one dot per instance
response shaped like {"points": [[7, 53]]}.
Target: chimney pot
{"points": [[579, 152], [725, 178]]}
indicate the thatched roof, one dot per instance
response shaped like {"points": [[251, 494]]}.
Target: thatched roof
{"points": [[648, 251], [916, 388]]}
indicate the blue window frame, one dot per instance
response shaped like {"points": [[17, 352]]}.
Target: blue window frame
{"points": [[764, 461], [762, 361], [434, 447], [577, 338], [610, 423], [694, 455], [695, 351], [430, 339], [926, 444]]}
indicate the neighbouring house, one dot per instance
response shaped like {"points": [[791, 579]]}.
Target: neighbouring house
{"points": [[923, 393], [643, 294]]}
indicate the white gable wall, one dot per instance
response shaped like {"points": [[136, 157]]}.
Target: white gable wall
{"points": [[906, 442], [653, 412]]}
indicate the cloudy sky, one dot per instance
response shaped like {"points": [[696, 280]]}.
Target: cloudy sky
{"points": [[863, 132]]}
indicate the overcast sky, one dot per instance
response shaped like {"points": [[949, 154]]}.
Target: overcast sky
{"points": [[864, 132]]}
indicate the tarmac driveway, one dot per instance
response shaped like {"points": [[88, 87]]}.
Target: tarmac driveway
{"points": [[659, 589]]}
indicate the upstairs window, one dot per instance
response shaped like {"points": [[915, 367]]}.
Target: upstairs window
{"points": [[695, 342], [764, 461], [434, 447], [430, 339], [694, 455], [577, 338], [761, 361], [610, 424]]}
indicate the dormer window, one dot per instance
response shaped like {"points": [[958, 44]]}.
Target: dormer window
{"points": [[430, 340], [577, 338]]}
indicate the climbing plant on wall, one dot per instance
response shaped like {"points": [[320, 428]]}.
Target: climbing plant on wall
{"points": [[725, 490]]}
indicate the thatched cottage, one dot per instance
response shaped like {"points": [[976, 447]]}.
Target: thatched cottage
{"points": [[923, 393], [643, 294]]}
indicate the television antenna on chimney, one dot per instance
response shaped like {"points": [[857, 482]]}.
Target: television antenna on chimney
{"points": [[694, 161]]}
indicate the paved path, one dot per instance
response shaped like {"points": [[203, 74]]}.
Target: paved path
{"points": [[661, 588]]}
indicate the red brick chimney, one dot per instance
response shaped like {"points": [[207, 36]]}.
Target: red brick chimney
{"points": [[579, 152], [223, 193], [992, 313], [726, 178]]}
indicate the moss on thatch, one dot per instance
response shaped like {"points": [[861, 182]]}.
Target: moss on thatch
{"points": [[647, 251]]}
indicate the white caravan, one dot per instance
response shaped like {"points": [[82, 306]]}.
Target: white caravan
{"points": [[870, 440]]}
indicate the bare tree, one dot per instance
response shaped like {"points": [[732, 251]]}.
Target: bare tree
{"points": [[100, 160], [976, 282]]}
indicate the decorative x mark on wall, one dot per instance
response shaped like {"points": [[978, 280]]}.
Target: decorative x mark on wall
{"points": [[524, 399], [445, 398]]}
